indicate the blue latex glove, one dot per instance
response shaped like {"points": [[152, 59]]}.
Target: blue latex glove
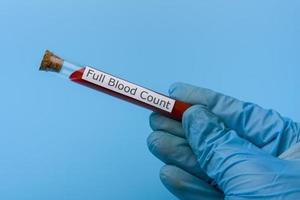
{"points": [[226, 148]]}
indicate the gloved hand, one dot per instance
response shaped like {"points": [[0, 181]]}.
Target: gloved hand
{"points": [[225, 148]]}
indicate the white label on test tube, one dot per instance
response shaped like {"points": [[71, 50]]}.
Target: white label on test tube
{"points": [[128, 89]]}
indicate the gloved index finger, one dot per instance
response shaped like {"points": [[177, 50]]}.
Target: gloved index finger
{"points": [[160, 122], [266, 129]]}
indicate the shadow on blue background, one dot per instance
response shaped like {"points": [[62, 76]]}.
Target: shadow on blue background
{"points": [[59, 140]]}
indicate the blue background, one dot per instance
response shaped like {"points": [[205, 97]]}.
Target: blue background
{"points": [[59, 140]]}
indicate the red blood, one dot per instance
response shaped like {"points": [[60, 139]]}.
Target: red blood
{"points": [[176, 113]]}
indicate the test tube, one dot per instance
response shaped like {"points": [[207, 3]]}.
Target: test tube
{"points": [[114, 86]]}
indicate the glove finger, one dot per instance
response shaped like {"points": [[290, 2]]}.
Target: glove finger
{"points": [[160, 122], [227, 158], [186, 186], [174, 150], [249, 120]]}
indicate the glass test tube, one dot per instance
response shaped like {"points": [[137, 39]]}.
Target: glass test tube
{"points": [[114, 86]]}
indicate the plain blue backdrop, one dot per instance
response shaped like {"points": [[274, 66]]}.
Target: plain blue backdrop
{"points": [[59, 140]]}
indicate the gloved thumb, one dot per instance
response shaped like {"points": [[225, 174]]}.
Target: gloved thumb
{"points": [[226, 157]]}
